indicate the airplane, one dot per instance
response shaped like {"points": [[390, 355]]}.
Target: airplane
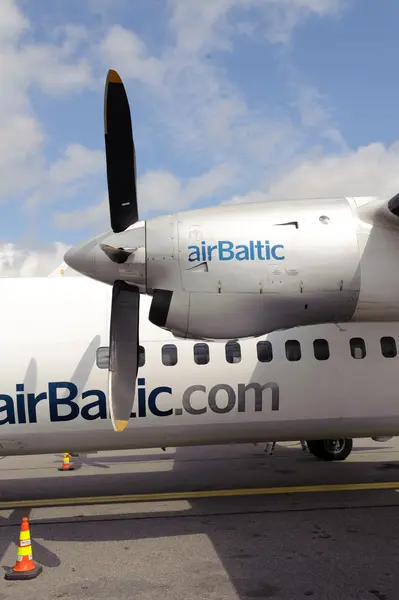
{"points": [[234, 271], [326, 384]]}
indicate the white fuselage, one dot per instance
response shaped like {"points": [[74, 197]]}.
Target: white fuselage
{"points": [[53, 393]]}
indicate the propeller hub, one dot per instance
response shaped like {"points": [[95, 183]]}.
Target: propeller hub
{"points": [[112, 256]]}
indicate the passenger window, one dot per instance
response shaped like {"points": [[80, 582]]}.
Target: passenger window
{"points": [[102, 357], [293, 350], [169, 355], [141, 356], [321, 349], [265, 351], [233, 352], [358, 347], [201, 354], [388, 347]]}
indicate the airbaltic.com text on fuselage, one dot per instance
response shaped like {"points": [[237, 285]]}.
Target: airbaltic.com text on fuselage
{"points": [[66, 403]]}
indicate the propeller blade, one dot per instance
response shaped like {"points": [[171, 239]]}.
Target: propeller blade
{"points": [[123, 352], [117, 255], [160, 306], [120, 155]]}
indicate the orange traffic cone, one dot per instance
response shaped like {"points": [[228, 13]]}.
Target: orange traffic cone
{"points": [[24, 567], [66, 465]]}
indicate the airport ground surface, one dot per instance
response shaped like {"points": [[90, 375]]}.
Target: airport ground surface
{"points": [[206, 523]]}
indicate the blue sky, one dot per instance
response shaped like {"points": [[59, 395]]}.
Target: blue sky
{"points": [[231, 100]]}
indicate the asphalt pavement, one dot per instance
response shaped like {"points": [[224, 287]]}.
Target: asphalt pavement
{"points": [[221, 522]]}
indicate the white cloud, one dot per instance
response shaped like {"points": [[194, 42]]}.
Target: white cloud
{"points": [[204, 107], [68, 176], [315, 113], [162, 190], [93, 213], [17, 261], [208, 184], [47, 67], [205, 26], [194, 100], [12, 21], [369, 171], [157, 190], [77, 162], [124, 48], [21, 143], [199, 107], [202, 110], [281, 17], [195, 23], [53, 68]]}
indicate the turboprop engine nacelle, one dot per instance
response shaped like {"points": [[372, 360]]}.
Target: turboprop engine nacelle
{"points": [[244, 270]]}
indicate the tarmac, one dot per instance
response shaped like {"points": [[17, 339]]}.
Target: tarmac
{"points": [[220, 522]]}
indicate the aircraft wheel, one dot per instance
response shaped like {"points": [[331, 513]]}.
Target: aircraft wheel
{"points": [[314, 447], [331, 449]]}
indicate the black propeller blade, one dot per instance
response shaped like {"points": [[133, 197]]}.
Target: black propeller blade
{"points": [[122, 194], [160, 306], [120, 155], [123, 352]]}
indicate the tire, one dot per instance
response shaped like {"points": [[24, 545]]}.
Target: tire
{"points": [[331, 450], [314, 448]]}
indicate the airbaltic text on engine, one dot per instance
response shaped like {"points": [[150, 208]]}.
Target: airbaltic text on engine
{"points": [[227, 250], [65, 402]]}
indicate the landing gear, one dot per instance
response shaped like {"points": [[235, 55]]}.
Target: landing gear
{"points": [[331, 449]]}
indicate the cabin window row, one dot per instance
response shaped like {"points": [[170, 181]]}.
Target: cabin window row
{"points": [[264, 349]]}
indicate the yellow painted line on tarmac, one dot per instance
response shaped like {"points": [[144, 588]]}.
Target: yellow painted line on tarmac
{"points": [[124, 498]]}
